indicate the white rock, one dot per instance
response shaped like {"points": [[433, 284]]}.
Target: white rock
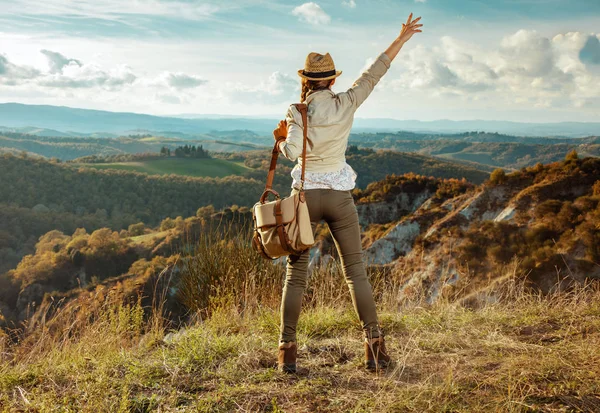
{"points": [[507, 214], [396, 242]]}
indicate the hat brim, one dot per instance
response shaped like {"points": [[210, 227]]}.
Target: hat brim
{"points": [[302, 75]]}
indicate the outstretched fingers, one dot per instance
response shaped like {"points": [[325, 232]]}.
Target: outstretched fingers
{"points": [[411, 26]]}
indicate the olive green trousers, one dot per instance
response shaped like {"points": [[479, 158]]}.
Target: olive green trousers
{"points": [[339, 212]]}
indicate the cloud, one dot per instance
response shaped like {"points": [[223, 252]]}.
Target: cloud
{"points": [[527, 52], [525, 68], [446, 69], [89, 76], [590, 53], [280, 84], [113, 9], [12, 74], [349, 3], [182, 81], [168, 98], [66, 73], [278, 87], [311, 13], [57, 61]]}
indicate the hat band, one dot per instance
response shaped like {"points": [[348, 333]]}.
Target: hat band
{"points": [[319, 75]]}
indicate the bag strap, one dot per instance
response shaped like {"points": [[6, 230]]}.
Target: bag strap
{"points": [[303, 109], [271, 176]]}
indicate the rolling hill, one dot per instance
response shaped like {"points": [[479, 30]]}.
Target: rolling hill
{"points": [[212, 168], [72, 120]]}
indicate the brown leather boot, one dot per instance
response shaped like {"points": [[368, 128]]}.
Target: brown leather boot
{"points": [[286, 360], [376, 356]]}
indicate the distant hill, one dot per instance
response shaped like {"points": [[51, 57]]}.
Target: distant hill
{"points": [[568, 129], [489, 149], [76, 147], [16, 115], [85, 121], [212, 168]]}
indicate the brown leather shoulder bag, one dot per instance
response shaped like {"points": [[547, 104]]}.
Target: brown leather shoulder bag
{"points": [[282, 227]]}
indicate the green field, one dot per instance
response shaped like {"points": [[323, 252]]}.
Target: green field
{"points": [[213, 168]]}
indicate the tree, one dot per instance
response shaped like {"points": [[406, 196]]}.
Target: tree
{"points": [[498, 177], [596, 188], [104, 239], [136, 229], [206, 211], [572, 156]]}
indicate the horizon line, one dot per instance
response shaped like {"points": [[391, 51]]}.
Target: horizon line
{"points": [[272, 117]]}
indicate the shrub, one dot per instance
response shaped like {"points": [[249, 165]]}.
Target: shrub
{"points": [[572, 156], [136, 229], [167, 223], [498, 177], [596, 188], [551, 206]]}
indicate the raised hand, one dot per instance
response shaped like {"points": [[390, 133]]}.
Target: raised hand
{"points": [[409, 28]]}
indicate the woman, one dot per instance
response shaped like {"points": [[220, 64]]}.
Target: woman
{"points": [[328, 184]]}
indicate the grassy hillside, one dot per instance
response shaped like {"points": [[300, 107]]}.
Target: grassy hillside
{"points": [[522, 354], [59, 187], [110, 346], [69, 148], [213, 168]]}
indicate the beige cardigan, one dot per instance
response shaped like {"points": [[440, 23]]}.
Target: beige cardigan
{"points": [[330, 118]]}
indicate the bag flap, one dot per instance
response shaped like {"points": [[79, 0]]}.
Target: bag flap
{"points": [[265, 213]]}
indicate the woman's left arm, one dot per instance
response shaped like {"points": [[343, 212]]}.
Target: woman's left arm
{"points": [[289, 133]]}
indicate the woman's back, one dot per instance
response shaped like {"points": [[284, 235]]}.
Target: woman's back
{"points": [[330, 118]]}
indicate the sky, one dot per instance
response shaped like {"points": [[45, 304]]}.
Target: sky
{"points": [[517, 60]]}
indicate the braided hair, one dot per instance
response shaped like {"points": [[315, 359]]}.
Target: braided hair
{"points": [[310, 85]]}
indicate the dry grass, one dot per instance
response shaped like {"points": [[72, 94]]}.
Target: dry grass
{"points": [[501, 349], [525, 353]]}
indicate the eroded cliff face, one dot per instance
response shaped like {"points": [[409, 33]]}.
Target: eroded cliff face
{"points": [[391, 210], [397, 242], [542, 223]]}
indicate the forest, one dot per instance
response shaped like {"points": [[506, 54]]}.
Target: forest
{"points": [[37, 196]]}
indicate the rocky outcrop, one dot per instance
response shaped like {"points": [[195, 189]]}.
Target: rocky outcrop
{"points": [[397, 242], [474, 239], [389, 211]]}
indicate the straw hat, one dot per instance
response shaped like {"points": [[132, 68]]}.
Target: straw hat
{"points": [[319, 67]]}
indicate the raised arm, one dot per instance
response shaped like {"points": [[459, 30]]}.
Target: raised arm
{"points": [[408, 29], [364, 85]]}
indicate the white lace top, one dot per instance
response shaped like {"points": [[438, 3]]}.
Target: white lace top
{"points": [[342, 180]]}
